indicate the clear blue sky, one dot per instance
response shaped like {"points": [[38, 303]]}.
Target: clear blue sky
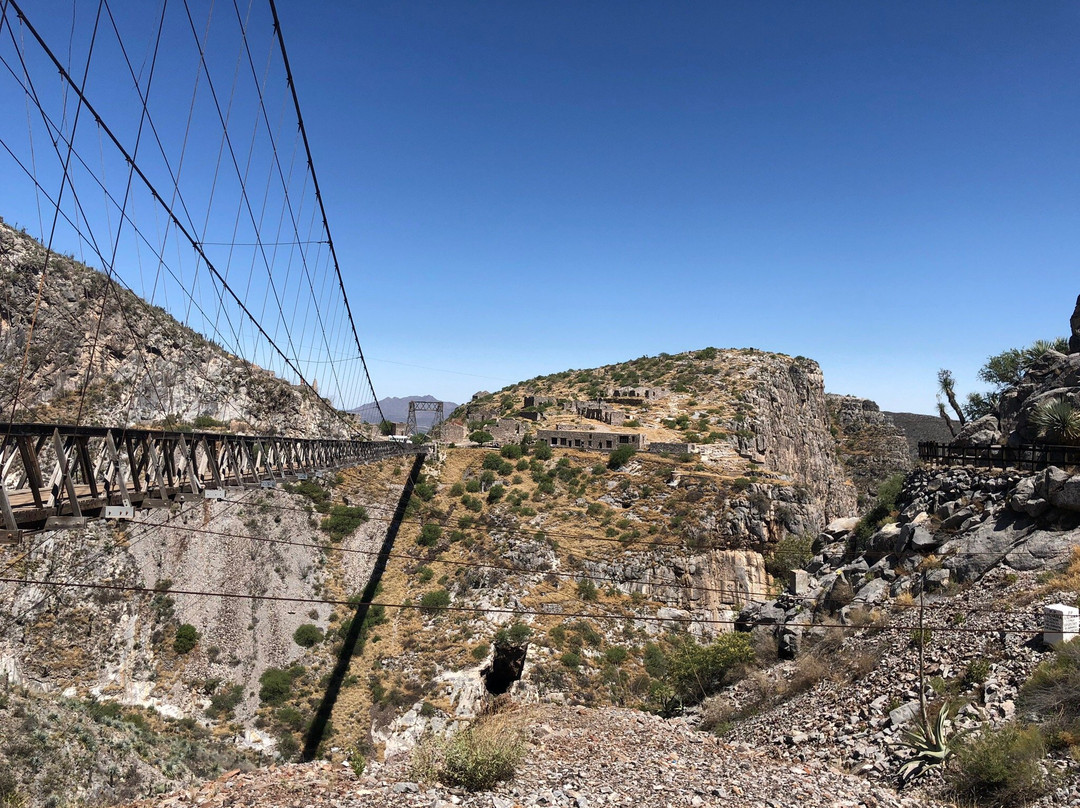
{"points": [[887, 188], [519, 188]]}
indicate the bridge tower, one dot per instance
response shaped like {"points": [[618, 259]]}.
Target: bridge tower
{"points": [[416, 406]]}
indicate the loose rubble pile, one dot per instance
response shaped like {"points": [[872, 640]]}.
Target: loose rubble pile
{"points": [[578, 757]]}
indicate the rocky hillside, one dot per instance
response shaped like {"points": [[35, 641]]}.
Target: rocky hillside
{"points": [[154, 675], [146, 368], [871, 446]]}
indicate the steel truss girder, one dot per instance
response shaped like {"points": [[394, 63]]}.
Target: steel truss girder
{"points": [[99, 468]]}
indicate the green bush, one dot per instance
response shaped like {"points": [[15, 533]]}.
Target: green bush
{"points": [[511, 451], [343, 520], [480, 436], [570, 660], [473, 486], [186, 638], [429, 535], [275, 686], [616, 655], [696, 671], [307, 635], [457, 489], [492, 461], [586, 589], [541, 451], [1000, 767], [435, 600], [618, 458], [515, 634], [495, 493]]}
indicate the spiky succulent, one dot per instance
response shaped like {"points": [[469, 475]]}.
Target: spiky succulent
{"points": [[1057, 420], [931, 744]]}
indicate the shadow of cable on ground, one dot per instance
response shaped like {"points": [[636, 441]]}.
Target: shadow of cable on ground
{"points": [[317, 729]]}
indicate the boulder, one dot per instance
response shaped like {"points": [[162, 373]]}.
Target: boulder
{"points": [[1022, 494], [922, 540], [973, 553], [1066, 495], [1043, 549], [985, 431], [873, 592]]}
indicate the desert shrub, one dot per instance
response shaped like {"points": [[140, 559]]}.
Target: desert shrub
{"points": [[586, 589], [511, 451], [977, 671], [791, 553], [473, 486], [496, 492], [480, 436], [290, 717], [1052, 695], [435, 600], [654, 660], [307, 635], [541, 451], [429, 535], [1057, 420], [275, 686], [618, 458], [492, 461], [1000, 766], [186, 638], [457, 489], [616, 655], [883, 508], [343, 520], [570, 660], [516, 634], [223, 704], [696, 671], [474, 758]]}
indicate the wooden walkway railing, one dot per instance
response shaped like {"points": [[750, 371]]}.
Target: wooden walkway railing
{"points": [[1031, 456]]}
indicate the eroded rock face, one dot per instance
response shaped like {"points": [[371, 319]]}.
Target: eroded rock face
{"points": [[791, 432], [870, 445], [143, 364]]}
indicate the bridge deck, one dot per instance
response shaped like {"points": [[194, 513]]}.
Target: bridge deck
{"points": [[103, 471]]}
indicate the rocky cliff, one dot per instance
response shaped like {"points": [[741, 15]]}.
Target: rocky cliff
{"points": [[136, 363]]}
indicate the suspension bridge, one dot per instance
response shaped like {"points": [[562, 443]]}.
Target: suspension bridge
{"points": [[163, 144]]}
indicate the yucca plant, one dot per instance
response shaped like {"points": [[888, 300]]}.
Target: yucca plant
{"points": [[932, 745], [1057, 420]]}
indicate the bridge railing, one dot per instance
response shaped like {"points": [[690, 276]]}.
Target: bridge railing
{"points": [[1032, 456], [59, 476]]}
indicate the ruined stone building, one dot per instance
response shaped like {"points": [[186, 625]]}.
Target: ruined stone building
{"points": [[570, 437]]}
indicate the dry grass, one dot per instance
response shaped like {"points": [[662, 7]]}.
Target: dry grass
{"points": [[478, 756]]}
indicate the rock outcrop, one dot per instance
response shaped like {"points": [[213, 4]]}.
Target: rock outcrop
{"points": [[1074, 325]]}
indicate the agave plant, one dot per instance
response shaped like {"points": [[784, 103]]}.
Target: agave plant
{"points": [[932, 745], [1057, 420]]}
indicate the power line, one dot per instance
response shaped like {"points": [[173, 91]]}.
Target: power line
{"points": [[489, 609]]}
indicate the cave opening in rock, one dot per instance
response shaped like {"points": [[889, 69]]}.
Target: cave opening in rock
{"points": [[505, 667]]}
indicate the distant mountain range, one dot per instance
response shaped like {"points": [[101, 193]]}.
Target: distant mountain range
{"points": [[397, 410]]}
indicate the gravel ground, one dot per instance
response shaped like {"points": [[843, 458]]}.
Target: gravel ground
{"points": [[577, 757]]}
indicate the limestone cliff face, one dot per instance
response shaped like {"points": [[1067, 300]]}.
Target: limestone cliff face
{"points": [[141, 365], [790, 425], [870, 445]]}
